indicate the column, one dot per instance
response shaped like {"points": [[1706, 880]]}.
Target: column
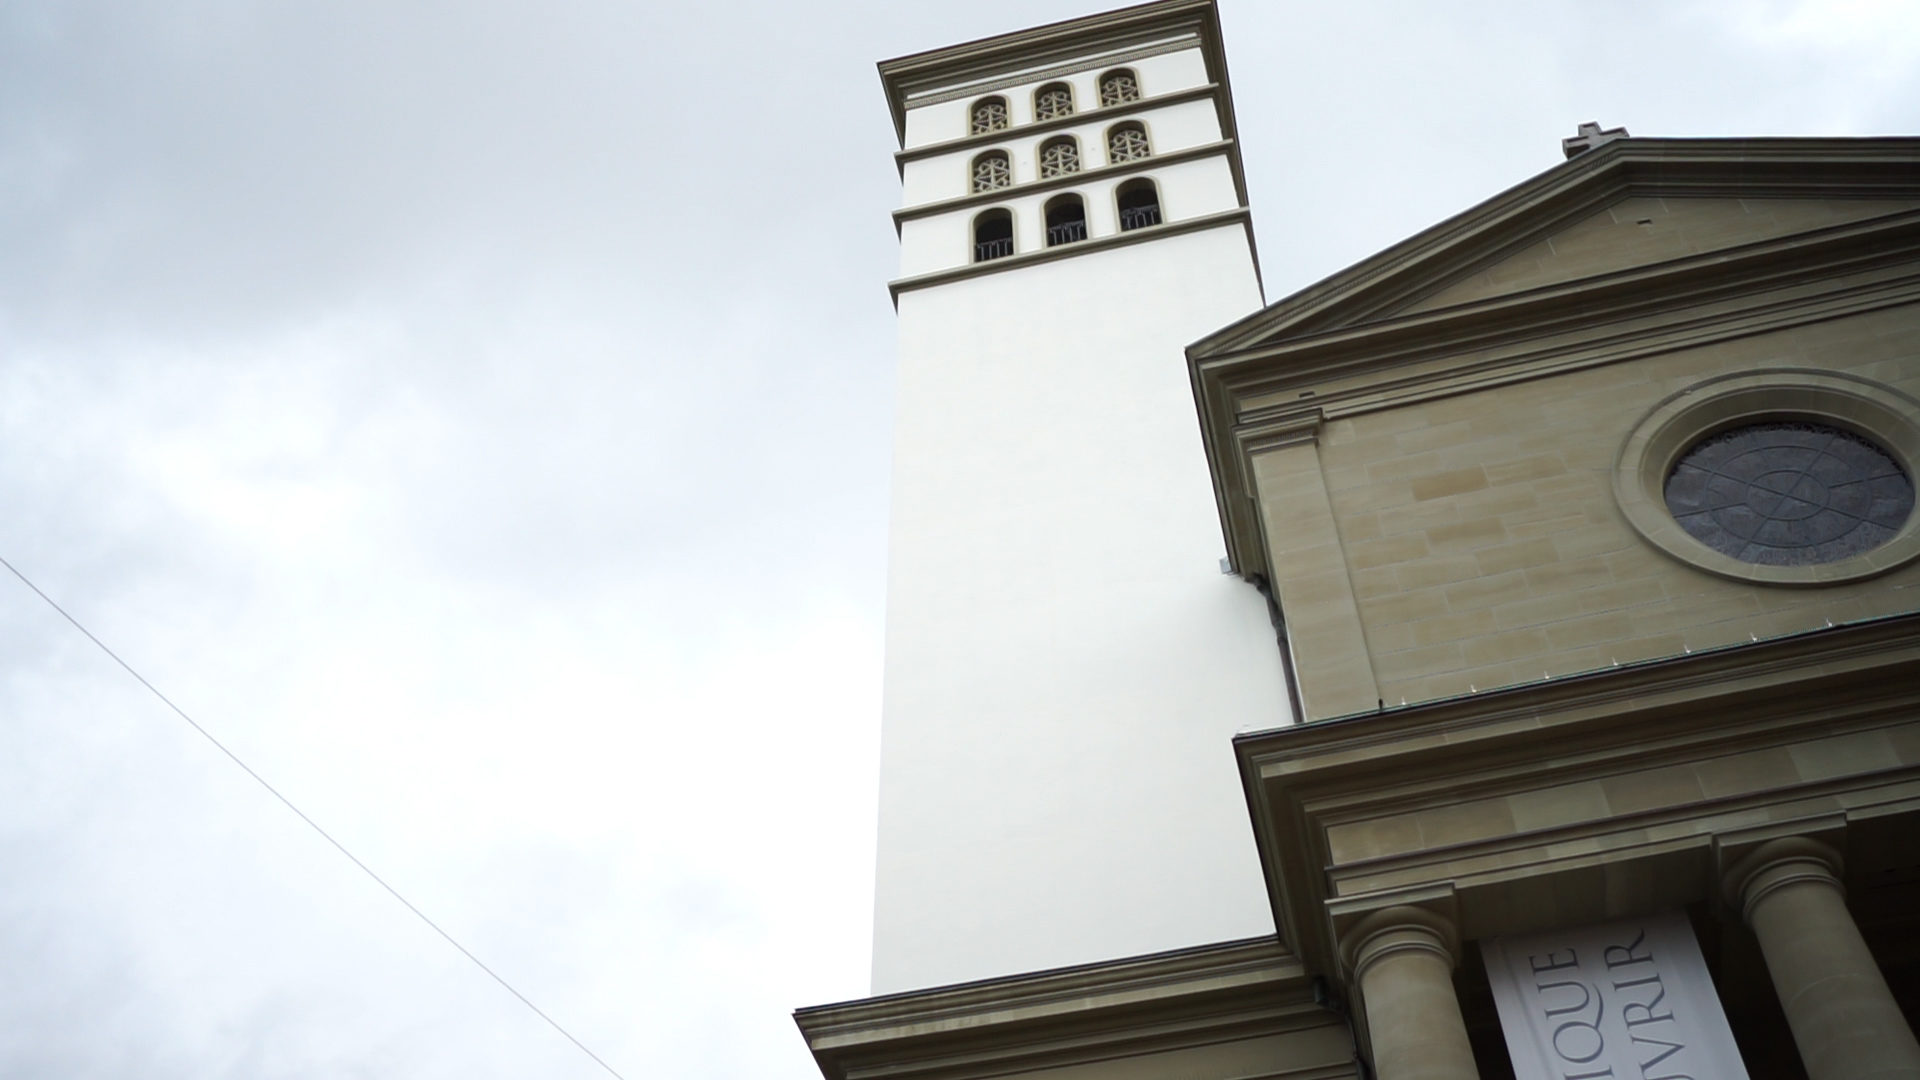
{"points": [[1402, 960], [1844, 1020]]}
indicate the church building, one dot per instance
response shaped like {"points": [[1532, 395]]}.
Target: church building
{"points": [[1500, 659]]}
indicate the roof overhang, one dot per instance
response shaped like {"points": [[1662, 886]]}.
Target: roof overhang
{"points": [[1037, 48], [1133, 1007]]}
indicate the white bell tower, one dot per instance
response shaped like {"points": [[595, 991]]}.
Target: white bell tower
{"points": [[1066, 663]]}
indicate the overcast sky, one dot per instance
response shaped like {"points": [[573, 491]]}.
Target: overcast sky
{"points": [[476, 414]]}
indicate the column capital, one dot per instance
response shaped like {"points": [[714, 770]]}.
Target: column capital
{"points": [[1777, 863], [1399, 929]]}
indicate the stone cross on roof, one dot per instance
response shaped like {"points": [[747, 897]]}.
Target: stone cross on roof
{"points": [[1590, 136]]}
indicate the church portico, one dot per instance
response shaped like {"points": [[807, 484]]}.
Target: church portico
{"points": [[1699, 784]]}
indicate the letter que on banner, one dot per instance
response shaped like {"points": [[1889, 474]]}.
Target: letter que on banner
{"points": [[1624, 1001]]}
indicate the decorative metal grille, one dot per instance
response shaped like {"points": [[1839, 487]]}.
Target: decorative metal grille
{"points": [[1059, 158], [1789, 494], [1139, 217], [991, 171], [1053, 102], [1117, 87], [1066, 220], [989, 114], [1128, 143], [997, 248]]}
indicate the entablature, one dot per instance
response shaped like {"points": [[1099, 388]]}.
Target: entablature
{"points": [[1225, 999], [1593, 796]]}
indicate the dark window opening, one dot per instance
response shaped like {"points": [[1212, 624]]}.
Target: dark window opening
{"points": [[992, 235], [1066, 220], [1139, 205]]}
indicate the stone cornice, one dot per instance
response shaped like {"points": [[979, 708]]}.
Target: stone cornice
{"points": [[1136, 1005], [1302, 780], [978, 62], [1535, 314], [1695, 168], [1058, 71]]}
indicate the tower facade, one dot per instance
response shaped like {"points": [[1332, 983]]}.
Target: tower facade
{"points": [[1065, 660]]}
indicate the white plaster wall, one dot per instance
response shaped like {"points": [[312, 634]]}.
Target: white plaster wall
{"points": [[1066, 664], [944, 120], [1169, 128], [1170, 71], [1189, 189]]}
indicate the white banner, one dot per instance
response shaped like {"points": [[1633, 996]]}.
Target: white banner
{"points": [[1624, 1001]]}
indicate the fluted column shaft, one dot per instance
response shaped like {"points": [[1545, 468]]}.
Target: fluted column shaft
{"points": [[1403, 960], [1844, 1019]]}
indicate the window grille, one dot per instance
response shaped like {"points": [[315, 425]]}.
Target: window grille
{"points": [[989, 114], [1139, 204], [1052, 101], [1066, 232], [1117, 87], [997, 247], [992, 235], [1066, 220], [1127, 142], [1059, 157], [991, 172]]}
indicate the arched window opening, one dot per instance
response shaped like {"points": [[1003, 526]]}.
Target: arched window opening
{"points": [[992, 235], [992, 170], [1127, 142], [988, 114], [1066, 220], [1052, 101], [1118, 86], [1058, 157], [1139, 204]]}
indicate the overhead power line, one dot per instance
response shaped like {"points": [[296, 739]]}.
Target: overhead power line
{"points": [[312, 824]]}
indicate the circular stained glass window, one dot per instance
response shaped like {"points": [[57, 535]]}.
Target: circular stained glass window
{"points": [[1789, 494]]}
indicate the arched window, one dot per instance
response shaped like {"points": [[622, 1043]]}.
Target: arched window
{"points": [[988, 114], [992, 235], [1127, 142], [1119, 85], [1058, 157], [1139, 203], [992, 170], [1053, 100], [1066, 220]]}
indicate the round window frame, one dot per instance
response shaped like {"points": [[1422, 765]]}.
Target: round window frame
{"points": [[1675, 425]]}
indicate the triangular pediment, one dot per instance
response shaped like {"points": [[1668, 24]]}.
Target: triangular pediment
{"points": [[1627, 206], [1640, 230]]}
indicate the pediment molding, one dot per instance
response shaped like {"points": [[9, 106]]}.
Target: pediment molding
{"points": [[1623, 168]]}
